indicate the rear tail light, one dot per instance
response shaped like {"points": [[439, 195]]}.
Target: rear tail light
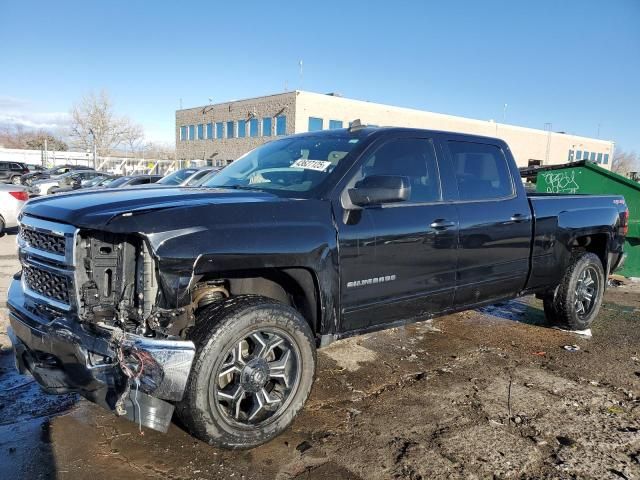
{"points": [[21, 195], [624, 222]]}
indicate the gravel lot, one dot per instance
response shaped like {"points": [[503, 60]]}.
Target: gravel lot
{"points": [[489, 393]]}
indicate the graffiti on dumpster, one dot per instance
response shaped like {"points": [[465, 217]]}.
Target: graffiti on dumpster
{"points": [[561, 182]]}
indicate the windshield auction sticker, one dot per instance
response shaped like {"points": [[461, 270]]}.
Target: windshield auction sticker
{"points": [[318, 165]]}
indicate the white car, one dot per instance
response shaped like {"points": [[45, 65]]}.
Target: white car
{"points": [[12, 199]]}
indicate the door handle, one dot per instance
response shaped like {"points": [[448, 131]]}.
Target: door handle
{"points": [[441, 224], [519, 217]]}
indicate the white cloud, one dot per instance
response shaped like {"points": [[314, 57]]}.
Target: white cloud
{"points": [[16, 111]]}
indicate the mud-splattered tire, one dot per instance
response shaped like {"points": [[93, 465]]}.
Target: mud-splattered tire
{"points": [[577, 300], [253, 371]]}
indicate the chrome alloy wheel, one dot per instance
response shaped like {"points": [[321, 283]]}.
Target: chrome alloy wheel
{"points": [[257, 378], [586, 292]]}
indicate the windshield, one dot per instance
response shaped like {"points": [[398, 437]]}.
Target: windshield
{"points": [[119, 181], [177, 177], [295, 164], [202, 180], [107, 181], [95, 181]]}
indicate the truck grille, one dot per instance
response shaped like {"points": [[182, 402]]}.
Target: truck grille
{"points": [[47, 257], [47, 242], [47, 284]]}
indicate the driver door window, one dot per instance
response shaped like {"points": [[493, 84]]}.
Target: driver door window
{"points": [[413, 158]]}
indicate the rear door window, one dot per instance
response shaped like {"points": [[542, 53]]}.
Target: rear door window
{"points": [[481, 171]]}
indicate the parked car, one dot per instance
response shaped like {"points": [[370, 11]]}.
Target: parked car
{"points": [[29, 178], [213, 301], [10, 172], [12, 199], [51, 185], [133, 180], [101, 180], [183, 176]]}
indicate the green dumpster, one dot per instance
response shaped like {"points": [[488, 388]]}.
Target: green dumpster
{"points": [[587, 177]]}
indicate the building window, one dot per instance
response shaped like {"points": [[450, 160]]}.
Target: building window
{"points": [[200, 131], [570, 158], [266, 127], [192, 132], [599, 159], [230, 130], [281, 125], [585, 155], [210, 131], [334, 124], [253, 127], [183, 133], [242, 128], [579, 155], [592, 156], [605, 161], [315, 124], [219, 130]]}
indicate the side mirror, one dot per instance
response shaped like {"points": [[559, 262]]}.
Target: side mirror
{"points": [[379, 189]]}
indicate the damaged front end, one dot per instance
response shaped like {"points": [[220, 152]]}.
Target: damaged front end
{"points": [[87, 316]]}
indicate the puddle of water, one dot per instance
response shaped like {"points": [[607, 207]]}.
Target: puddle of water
{"points": [[25, 410], [515, 310]]}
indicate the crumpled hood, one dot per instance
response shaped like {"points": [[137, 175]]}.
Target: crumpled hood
{"points": [[95, 208]]}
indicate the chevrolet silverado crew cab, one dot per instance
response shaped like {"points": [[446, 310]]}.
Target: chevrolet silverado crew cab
{"points": [[212, 300]]}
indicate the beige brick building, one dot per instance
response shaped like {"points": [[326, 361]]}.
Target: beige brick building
{"points": [[218, 134]]}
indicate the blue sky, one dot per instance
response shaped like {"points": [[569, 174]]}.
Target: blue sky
{"points": [[575, 64]]}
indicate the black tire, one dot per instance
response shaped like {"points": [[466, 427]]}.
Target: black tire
{"points": [[569, 306], [223, 329], [2, 225]]}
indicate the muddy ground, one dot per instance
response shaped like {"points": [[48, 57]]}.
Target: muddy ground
{"points": [[489, 393]]}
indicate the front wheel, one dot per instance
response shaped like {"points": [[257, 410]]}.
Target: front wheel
{"points": [[577, 300], [254, 368]]}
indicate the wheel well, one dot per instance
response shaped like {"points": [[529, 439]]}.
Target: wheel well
{"points": [[292, 286], [596, 243]]}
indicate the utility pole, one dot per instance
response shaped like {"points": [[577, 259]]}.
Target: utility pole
{"points": [[300, 65], [93, 136], [504, 113], [46, 152], [548, 126]]}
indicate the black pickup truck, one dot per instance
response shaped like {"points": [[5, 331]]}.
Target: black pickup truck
{"points": [[212, 301]]}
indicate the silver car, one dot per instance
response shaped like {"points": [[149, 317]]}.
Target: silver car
{"points": [[12, 198]]}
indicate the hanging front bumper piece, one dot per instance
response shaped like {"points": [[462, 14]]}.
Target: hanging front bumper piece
{"points": [[131, 375]]}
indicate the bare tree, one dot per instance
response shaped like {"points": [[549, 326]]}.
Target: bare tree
{"points": [[17, 137], [93, 119], [133, 136], [624, 162]]}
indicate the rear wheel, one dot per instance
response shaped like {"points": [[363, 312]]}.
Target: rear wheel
{"points": [[577, 300], [15, 180], [253, 371]]}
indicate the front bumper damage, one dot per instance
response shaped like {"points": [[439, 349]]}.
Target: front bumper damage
{"points": [[66, 356]]}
